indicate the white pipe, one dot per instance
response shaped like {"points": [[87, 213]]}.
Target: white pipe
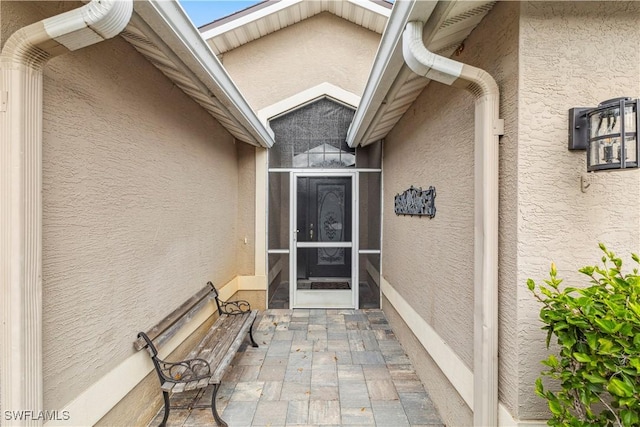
{"points": [[21, 63], [488, 128]]}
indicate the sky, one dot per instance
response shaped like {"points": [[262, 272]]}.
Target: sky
{"points": [[204, 11]]}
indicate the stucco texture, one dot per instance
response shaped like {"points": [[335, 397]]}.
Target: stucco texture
{"points": [[140, 205], [571, 54], [323, 48], [430, 261]]}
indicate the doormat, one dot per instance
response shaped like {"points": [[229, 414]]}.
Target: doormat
{"points": [[330, 285]]}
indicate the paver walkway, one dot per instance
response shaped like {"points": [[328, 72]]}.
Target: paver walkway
{"points": [[316, 368]]}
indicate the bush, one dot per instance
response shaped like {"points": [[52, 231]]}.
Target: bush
{"points": [[598, 333]]}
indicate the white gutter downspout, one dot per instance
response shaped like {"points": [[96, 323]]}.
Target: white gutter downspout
{"points": [[21, 68], [488, 127]]}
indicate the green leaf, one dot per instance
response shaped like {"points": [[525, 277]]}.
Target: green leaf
{"points": [[531, 284], [629, 417], [555, 407], [619, 388], [582, 357]]}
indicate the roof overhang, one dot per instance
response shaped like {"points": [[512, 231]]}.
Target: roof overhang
{"points": [[270, 16], [162, 32], [392, 87]]}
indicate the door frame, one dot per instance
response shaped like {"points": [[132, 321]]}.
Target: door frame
{"points": [[322, 298]]}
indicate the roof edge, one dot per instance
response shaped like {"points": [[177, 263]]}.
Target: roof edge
{"points": [[174, 28]]}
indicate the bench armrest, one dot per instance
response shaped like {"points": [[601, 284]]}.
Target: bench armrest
{"points": [[184, 371], [235, 307]]}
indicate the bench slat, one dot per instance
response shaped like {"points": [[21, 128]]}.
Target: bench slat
{"points": [[175, 315], [233, 349], [167, 386]]}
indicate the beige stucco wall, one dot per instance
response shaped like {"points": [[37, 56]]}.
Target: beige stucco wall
{"points": [[140, 197], [430, 261], [324, 48], [546, 57], [572, 54]]}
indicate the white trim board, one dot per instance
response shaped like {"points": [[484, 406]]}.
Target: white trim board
{"points": [[325, 89], [457, 372], [95, 402]]}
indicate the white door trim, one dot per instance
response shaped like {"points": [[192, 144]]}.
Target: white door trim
{"points": [[323, 299]]}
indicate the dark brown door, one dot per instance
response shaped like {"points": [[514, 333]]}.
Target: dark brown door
{"points": [[324, 215]]}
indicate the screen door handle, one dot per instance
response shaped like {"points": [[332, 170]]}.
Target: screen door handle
{"points": [[310, 231]]}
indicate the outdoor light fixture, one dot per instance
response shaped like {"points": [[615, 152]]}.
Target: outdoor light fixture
{"points": [[609, 133]]}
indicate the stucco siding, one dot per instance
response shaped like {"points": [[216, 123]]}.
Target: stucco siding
{"points": [[571, 54], [245, 239], [324, 48], [430, 261], [140, 205]]}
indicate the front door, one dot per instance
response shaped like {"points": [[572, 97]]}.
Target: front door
{"points": [[323, 241]]}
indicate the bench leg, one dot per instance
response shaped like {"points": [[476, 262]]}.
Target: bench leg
{"points": [[253, 342], [219, 420], [166, 409]]}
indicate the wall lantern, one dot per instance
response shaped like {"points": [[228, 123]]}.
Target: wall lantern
{"points": [[608, 132]]}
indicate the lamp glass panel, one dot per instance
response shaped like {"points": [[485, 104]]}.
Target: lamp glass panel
{"points": [[631, 151], [630, 118], [603, 152], [605, 122]]}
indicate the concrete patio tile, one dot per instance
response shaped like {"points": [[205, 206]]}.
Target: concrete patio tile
{"points": [[247, 391], [298, 374], [270, 413], [350, 373], [319, 345], [338, 345], [298, 413], [322, 412], [275, 361], [324, 358], [324, 375], [272, 373], [408, 386], [419, 409], [389, 413], [367, 358], [177, 417], [201, 417], [249, 373], [382, 390], [283, 336], [316, 368], [271, 390], [239, 413], [357, 416], [323, 392], [354, 394], [403, 372], [396, 358], [337, 335], [376, 372], [295, 391]]}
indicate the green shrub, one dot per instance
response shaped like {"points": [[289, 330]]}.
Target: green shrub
{"points": [[598, 333]]}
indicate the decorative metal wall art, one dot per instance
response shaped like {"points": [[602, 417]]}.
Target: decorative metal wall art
{"points": [[416, 201]]}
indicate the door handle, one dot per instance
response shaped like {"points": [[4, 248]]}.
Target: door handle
{"points": [[310, 231]]}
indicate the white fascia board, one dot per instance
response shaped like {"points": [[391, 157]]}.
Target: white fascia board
{"points": [[251, 17], [371, 6], [169, 21], [386, 66]]}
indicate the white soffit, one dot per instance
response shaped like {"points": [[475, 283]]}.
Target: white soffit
{"points": [[270, 16], [162, 33], [392, 87]]}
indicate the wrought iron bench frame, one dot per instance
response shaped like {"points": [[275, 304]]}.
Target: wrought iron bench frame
{"points": [[198, 372]]}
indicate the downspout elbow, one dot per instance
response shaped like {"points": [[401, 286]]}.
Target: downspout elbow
{"points": [[441, 69], [35, 44]]}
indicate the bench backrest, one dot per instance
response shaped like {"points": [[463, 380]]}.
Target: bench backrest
{"points": [[167, 327]]}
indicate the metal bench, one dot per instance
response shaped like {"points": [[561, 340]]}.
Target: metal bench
{"points": [[208, 361]]}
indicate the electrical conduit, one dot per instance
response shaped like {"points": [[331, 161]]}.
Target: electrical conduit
{"points": [[22, 61], [488, 128]]}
